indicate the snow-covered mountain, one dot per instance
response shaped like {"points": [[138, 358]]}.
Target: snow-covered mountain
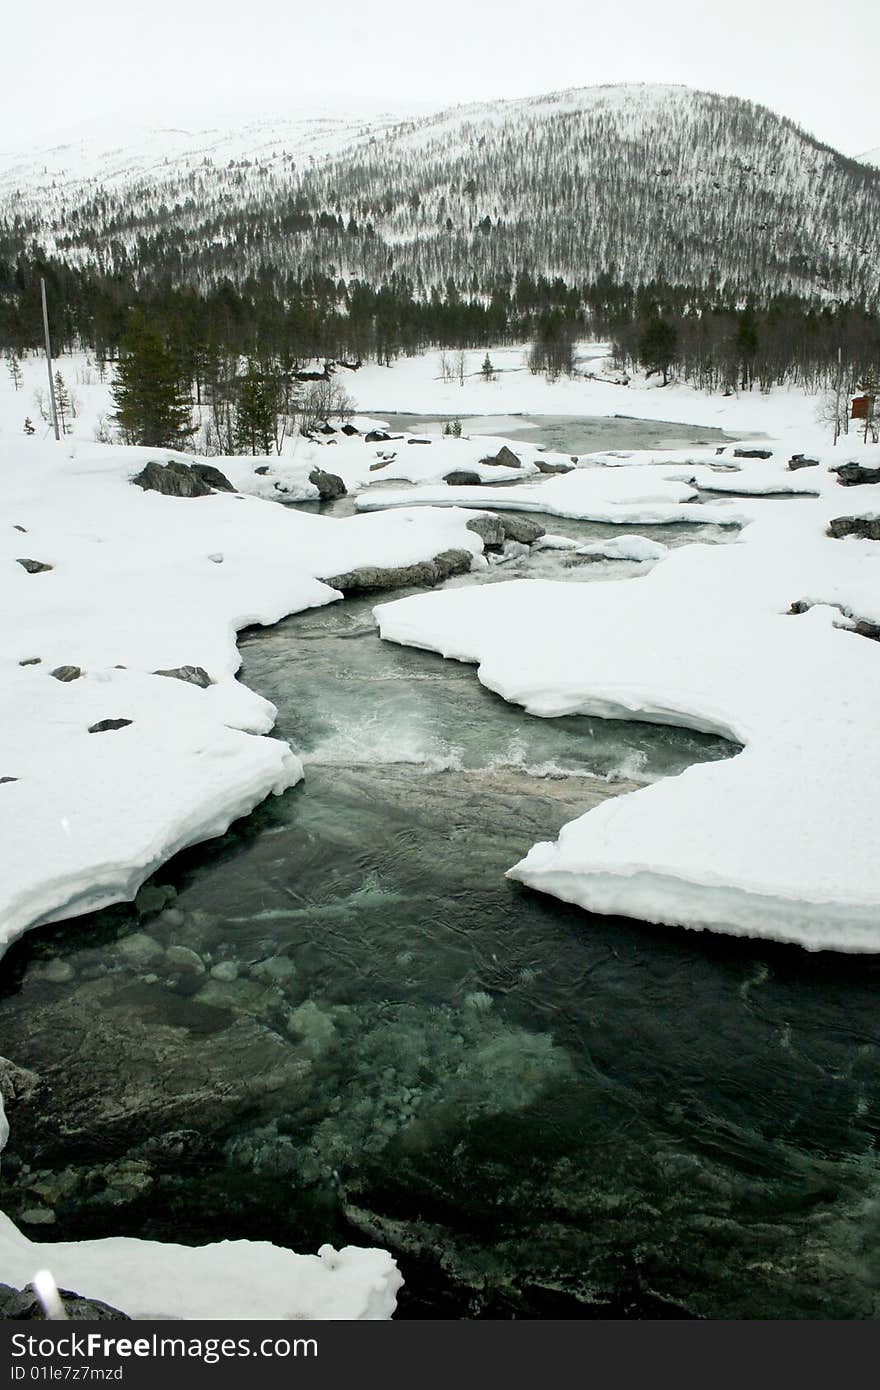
{"points": [[642, 182], [871, 157]]}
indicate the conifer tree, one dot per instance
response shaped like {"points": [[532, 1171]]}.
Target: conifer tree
{"points": [[658, 344], [255, 415], [14, 365], [151, 407], [63, 404]]}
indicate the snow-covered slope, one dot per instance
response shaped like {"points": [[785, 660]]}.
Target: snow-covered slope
{"points": [[871, 157], [651, 180]]}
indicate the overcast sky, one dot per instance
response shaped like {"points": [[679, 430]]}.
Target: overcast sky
{"points": [[66, 66]]}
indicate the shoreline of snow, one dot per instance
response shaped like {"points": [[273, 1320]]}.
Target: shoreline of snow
{"points": [[139, 584], [774, 843], [235, 1280]]}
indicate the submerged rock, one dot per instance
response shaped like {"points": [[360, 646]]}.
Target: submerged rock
{"points": [[460, 477]]}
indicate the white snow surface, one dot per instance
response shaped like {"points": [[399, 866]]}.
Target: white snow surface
{"points": [[639, 494], [775, 842], [144, 583], [231, 1279]]}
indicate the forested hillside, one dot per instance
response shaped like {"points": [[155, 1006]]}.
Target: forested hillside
{"points": [[593, 210]]}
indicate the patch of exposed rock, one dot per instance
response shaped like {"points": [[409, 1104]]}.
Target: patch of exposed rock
{"points": [[424, 572], [802, 461], [329, 485], [854, 474], [192, 675], [23, 1305], [505, 458], [35, 566], [176, 479], [866, 527]]}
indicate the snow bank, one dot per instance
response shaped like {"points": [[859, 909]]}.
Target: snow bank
{"points": [[635, 495], [775, 842], [232, 1279]]}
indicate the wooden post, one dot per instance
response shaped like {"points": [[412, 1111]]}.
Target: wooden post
{"points": [[837, 404], [49, 359]]}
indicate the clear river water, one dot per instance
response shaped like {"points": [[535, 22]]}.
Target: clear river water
{"points": [[341, 1022]]}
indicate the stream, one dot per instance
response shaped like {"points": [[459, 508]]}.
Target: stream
{"points": [[340, 1022]]}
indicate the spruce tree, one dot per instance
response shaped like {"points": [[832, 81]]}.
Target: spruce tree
{"points": [[658, 345], [255, 415], [151, 407]]}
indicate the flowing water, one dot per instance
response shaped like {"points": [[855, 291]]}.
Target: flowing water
{"points": [[341, 1022]]}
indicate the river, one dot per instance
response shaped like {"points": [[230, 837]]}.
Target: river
{"points": [[364, 1033]]}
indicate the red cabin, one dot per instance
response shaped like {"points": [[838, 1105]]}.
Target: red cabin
{"points": [[861, 407]]}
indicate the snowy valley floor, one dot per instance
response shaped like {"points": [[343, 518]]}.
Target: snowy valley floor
{"points": [[124, 586]]}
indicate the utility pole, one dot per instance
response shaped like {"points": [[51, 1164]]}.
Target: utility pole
{"points": [[837, 401], [49, 359]]}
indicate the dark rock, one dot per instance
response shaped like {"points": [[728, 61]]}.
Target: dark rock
{"points": [[31, 661], [66, 673], [105, 725], [350, 429], [802, 461], [425, 572], [753, 453], [420, 441], [329, 485], [860, 626], [489, 528], [262, 470], [854, 474], [505, 458], [213, 477], [521, 528], [459, 477], [182, 479], [867, 527], [383, 463], [7, 779], [16, 527], [376, 437], [35, 566], [326, 428], [23, 1305], [192, 675], [544, 467]]}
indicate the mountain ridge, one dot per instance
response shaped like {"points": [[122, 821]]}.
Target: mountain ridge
{"points": [[648, 181]]}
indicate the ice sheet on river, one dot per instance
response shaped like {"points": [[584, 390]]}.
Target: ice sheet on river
{"points": [[776, 842]]}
